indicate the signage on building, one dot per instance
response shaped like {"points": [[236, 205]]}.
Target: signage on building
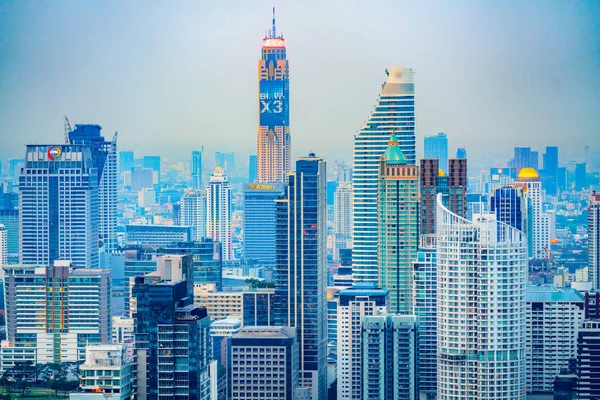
{"points": [[54, 152], [258, 186]]}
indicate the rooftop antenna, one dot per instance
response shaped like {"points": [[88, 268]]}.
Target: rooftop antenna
{"points": [[274, 32], [68, 130]]}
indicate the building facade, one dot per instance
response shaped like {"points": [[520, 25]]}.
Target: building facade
{"points": [[481, 277], [398, 226], [301, 278], [394, 111], [529, 180], [158, 235], [588, 360], [219, 211], [342, 217], [594, 240], [274, 139], [192, 211]]}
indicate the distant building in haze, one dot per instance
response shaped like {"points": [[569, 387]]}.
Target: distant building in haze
{"points": [[436, 146], [125, 161], [197, 170], [253, 169], [153, 162], [461, 152], [524, 158], [550, 176], [225, 161]]}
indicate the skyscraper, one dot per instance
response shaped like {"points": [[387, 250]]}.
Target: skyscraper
{"points": [[529, 180], [509, 204], [342, 217], [3, 247], [192, 211], [274, 139], [218, 211], [588, 358], [125, 161], [258, 224], [580, 176], [524, 158], [354, 304], [225, 161], [594, 240], [551, 170], [461, 152], [58, 197], [436, 146], [398, 226], [253, 169], [197, 170], [395, 111], [452, 183], [153, 162], [105, 160], [481, 341], [301, 279]]}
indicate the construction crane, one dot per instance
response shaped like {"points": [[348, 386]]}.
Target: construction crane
{"points": [[68, 130]]}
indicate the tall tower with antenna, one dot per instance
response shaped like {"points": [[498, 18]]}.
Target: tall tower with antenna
{"points": [[274, 139]]}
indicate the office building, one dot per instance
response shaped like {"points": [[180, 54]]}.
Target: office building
{"points": [[254, 308], [221, 332], [105, 160], [524, 158], [258, 224], [274, 140], [192, 212], [106, 374], [67, 308], [219, 211], [550, 180], [425, 307], [398, 226], [342, 217], [588, 359], [122, 330], [253, 169], [301, 278], [153, 163], [580, 176], [256, 350], [477, 335], [389, 366], [197, 170], [509, 204], [436, 146], [529, 180], [10, 220], [354, 304], [142, 178], [58, 200], [158, 235], [172, 342], [125, 161], [594, 240], [394, 111], [451, 183], [553, 317], [461, 152]]}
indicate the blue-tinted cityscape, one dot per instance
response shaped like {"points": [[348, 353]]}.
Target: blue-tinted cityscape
{"points": [[407, 272]]}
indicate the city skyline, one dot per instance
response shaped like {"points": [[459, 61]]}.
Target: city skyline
{"points": [[515, 72]]}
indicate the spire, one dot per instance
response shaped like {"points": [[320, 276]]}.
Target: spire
{"points": [[393, 154], [274, 32]]}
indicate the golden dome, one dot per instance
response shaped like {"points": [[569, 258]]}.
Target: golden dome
{"points": [[441, 173], [528, 173]]}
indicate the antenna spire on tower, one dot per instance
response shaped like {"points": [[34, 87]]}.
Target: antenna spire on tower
{"points": [[274, 32]]}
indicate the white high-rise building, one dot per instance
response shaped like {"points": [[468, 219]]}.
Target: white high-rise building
{"points": [[548, 230], [394, 111], [553, 319], [193, 212], [355, 303], [594, 240], [342, 217], [481, 277], [529, 179], [218, 211]]}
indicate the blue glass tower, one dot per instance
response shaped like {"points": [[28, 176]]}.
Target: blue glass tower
{"points": [[437, 147], [300, 292]]}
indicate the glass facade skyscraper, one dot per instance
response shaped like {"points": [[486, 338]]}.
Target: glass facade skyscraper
{"points": [[394, 111], [274, 139], [301, 278], [259, 221], [58, 197], [197, 170], [437, 147]]}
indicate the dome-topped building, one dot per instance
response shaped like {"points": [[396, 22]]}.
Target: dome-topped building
{"points": [[527, 174]]}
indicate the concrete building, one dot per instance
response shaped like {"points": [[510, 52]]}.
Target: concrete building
{"points": [[106, 374], [157, 235], [395, 110], [263, 363], [219, 212]]}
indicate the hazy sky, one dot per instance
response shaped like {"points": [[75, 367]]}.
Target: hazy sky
{"points": [[176, 75]]}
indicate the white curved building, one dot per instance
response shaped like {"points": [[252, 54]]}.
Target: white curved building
{"points": [[481, 277]]}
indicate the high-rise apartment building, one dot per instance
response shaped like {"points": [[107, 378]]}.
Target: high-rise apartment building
{"points": [[197, 170], [105, 160], [553, 317], [398, 226], [258, 222], [529, 180], [342, 217], [192, 212], [481, 277], [301, 279], [436, 146], [172, 342], [58, 200], [451, 183], [125, 161], [218, 211], [253, 169], [594, 240], [354, 304], [394, 111], [425, 308], [390, 357], [588, 359], [274, 139], [53, 312], [254, 351]]}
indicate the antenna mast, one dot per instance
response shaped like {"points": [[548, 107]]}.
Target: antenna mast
{"points": [[274, 32], [68, 130]]}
